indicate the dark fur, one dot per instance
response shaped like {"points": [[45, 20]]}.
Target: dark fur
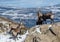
{"points": [[40, 21], [16, 30], [47, 16], [43, 18]]}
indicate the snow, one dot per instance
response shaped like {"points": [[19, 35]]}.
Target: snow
{"points": [[37, 29], [15, 15], [4, 37]]}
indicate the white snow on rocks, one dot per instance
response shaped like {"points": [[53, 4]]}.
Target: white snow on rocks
{"points": [[37, 29], [4, 37]]}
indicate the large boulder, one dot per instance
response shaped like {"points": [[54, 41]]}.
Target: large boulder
{"points": [[46, 35]]}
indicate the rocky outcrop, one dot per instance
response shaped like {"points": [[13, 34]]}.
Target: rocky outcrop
{"points": [[46, 35]]}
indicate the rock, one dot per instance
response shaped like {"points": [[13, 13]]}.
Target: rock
{"points": [[46, 35]]}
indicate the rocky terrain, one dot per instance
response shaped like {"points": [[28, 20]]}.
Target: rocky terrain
{"points": [[6, 25], [45, 35], [37, 33]]}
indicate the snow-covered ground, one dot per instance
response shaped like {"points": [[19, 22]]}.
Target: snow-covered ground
{"points": [[5, 37]]}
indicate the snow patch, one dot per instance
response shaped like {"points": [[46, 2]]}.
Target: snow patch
{"points": [[37, 29], [4, 37]]}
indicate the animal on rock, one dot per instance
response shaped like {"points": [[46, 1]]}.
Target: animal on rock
{"points": [[20, 29], [43, 17]]}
